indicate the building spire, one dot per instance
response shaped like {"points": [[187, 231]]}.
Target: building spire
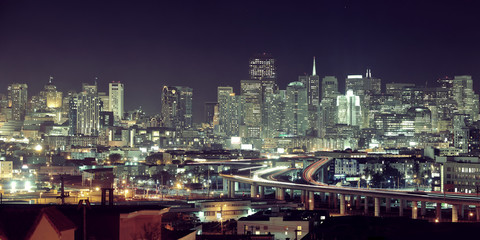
{"points": [[50, 80], [314, 71]]}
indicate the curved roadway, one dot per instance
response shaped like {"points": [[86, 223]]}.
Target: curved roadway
{"points": [[376, 193]]}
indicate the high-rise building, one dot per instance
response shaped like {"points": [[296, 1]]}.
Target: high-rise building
{"points": [[223, 93], [329, 87], [276, 124], [262, 66], [296, 112], [177, 107], [349, 109], [312, 85], [209, 112], [252, 102], [396, 89], [467, 100], [71, 100], [363, 85], [53, 97], [116, 99], [17, 96], [88, 110]]}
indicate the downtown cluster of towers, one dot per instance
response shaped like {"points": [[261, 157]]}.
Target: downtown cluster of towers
{"points": [[367, 115], [310, 110]]}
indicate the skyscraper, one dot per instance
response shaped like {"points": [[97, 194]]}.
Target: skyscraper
{"points": [[88, 110], [252, 102], [223, 93], [209, 112], [467, 100], [349, 110], [17, 96], [262, 66], [312, 85], [296, 109], [116, 99], [177, 107], [329, 87], [276, 124], [53, 97]]}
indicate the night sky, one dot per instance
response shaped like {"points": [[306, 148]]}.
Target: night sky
{"points": [[204, 44]]}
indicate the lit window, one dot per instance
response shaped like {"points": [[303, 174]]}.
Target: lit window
{"points": [[299, 227]]}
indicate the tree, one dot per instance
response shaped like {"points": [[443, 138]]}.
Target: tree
{"points": [[115, 158], [154, 159]]}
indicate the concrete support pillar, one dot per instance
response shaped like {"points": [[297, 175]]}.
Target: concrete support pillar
{"points": [[330, 200], [462, 211], [454, 213], [423, 209], [231, 191], [253, 190], [335, 201], [401, 206], [438, 211], [261, 192], [225, 186], [388, 205], [365, 205], [280, 194], [311, 200], [323, 198], [477, 212], [342, 204], [377, 207], [358, 200], [414, 210]]}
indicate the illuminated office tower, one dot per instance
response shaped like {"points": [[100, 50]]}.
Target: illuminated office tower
{"points": [[209, 112], [422, 119], [329, 87], [363, 85], [366, 88], [262, 66], [396, 89], [17, 97], [72, 112], [53, 97], [88, 110], [296, 109], [312, 85], [116, 99], [251, 93], [467, 100], [104, 102], [232, 118], [327, 115], [223, 93], [349, 109], [177, 107], [276, 124]]}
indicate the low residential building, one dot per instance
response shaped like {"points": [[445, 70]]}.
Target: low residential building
{"points": [[209, 210], [283, 225]]}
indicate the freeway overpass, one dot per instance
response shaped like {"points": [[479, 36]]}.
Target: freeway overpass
{"points": [[338, 194]]}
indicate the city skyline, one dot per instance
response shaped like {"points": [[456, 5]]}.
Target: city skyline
{"points": [[205, 45]]}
